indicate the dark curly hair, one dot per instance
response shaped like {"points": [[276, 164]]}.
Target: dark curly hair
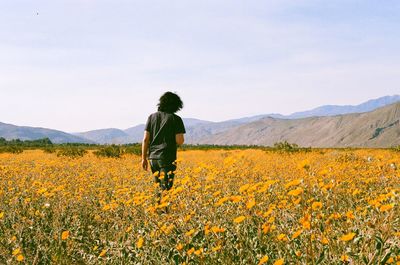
{"points": [[170, 103]]}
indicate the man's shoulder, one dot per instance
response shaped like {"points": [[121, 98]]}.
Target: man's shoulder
{"points": [[176, 116], [155, 115], [164, 116]]}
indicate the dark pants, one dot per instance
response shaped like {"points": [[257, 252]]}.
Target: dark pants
{"points": [[164, 173]]}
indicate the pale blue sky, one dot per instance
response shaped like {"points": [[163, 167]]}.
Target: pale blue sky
{"points": [[89, 64]]}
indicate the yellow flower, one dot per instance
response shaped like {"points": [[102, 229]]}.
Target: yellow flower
{"points": [[217, 248], [239, 219], [244, 188], [221, 201], [304, 164], [198, 252], [263, 260], [292, 183], [1, 215], [306, 225], [140, 242], [20, 258], [236, 198], [179, 247], [215, 194], [16, 251], [386, 207], [344, 258], [279, 262], [191, 232], [348, 237], [296, 192], [103, 253], [282, 237], [250, 204], [305, 222], [65, 235], [265, 228], [187, 218], [297, 201], [297, 234], [216, 229], [190, 251], [350, 215], [316, 205]]}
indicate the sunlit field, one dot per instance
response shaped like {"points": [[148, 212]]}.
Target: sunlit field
{"points": [[226, 207]]}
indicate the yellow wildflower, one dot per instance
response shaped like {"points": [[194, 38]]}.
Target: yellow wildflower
{"points": [[239, 219], [348, 237], [263, 260]]}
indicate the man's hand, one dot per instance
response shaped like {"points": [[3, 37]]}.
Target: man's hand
{"points": [[145, 149], [145, 164]]}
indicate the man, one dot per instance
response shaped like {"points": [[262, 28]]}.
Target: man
{"points": [[163, 132]]}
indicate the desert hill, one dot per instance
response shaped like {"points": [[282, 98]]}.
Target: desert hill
{"points": [[379, 128], [9, 132]]}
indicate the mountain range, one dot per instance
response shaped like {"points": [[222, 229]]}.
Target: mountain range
{"points": [[378, 128], [9, 131], [374, 123]]}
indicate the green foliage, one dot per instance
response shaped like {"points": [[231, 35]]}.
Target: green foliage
{"points": [[288, 147], [26, 144], [135, 149], [49, 149], [396, 148], [206, 147], [11, 149], [117, 151], [285, 146], [72, 151], [110, 151]]}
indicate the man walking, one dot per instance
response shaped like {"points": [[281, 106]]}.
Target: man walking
{"points": [[163, 132]]}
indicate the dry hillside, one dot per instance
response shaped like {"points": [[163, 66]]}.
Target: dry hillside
{"points": [[378, 128]]}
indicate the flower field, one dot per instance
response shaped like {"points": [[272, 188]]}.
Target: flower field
{"points": [[226, 207]]}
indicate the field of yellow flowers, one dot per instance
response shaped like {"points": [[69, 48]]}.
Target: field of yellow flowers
{"points": [[226, 207]]}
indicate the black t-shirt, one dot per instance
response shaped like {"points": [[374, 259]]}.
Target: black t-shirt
{"points": [[163, 128]]}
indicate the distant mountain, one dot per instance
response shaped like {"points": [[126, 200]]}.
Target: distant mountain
{"points": [[201, 131], [332, 110], [130, 135], [378, 128], [104, 136], [135, 133], [197, 130], [9, 132], [194, 122]]}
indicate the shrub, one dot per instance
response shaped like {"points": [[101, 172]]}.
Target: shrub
{"points": [[11, 149], [49, 150], [72, 152], [286, 147], [109, 151], [134, 149]]}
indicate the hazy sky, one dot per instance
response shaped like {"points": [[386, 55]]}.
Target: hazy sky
{"points": [[78, 65]]}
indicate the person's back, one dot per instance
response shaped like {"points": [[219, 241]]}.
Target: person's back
{"points": [[163, 132], [163, 128]]}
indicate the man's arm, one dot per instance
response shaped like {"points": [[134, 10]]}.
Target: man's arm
{"points": [[145, 149], [180, 139]]}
